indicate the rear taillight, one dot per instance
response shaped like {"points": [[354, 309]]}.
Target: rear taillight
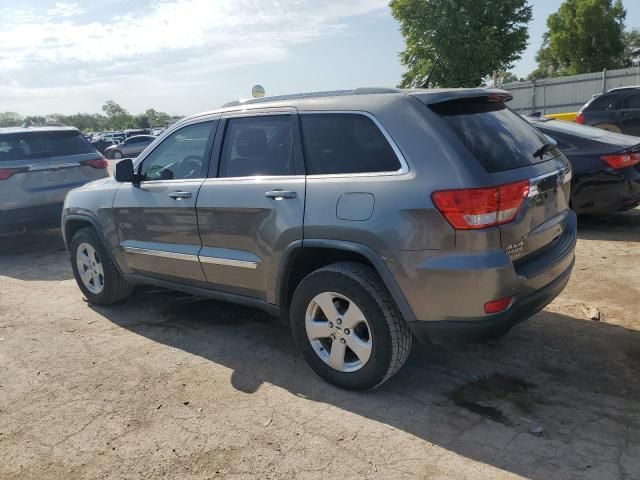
{"points": [[495, 306], [474, 208], [6, 173], [96, 163], [622, 160], [580, 118]]}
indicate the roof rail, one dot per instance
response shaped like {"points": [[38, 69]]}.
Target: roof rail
{"points": [[301, 96]]}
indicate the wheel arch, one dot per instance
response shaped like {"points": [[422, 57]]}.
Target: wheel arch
{"points": [[303, 257], [73, 223]]}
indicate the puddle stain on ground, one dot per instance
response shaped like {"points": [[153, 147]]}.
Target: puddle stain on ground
{"points": [[488, 396]]}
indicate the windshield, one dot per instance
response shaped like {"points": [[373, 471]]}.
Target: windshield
{"points": [[498, 138], [29, 145]]}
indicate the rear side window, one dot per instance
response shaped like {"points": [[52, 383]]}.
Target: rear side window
{"points": [[258, 146], [602, 103], [34, 145], [632, 101], [337, 143], [498, 138]]}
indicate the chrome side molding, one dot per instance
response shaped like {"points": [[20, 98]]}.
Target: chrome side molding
{"points": [[191, 258]]}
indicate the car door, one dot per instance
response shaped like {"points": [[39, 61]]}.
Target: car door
{"points": [[629, 114], [252, 206], [141, 143], [156, 220], [130, 147]]}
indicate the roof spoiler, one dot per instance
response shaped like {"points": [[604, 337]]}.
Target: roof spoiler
{"points": [[432, 97]]}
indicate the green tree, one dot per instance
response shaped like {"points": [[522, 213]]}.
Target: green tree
{"points": [[117, 117], [631, 40], [473, 38], [156, 119], [583, 36], [508, 77], [10, 119]]}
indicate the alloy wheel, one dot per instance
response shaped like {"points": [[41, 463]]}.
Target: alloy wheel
{"points": [[90, 268], [338, 332]]}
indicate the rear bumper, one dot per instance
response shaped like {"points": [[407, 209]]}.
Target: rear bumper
{"points": [[39, 217], [447, 291], [605, 192], [484, 329]]}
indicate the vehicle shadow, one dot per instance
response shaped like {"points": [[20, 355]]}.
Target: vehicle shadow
{"points": [[556, 398], [622, 227], [20, 253]]}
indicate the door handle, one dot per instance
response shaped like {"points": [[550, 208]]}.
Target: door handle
{"points": [[180, 195], [280, 194]]}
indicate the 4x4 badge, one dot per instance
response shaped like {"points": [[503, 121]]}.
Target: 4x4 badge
{"points": [[514, 249]]}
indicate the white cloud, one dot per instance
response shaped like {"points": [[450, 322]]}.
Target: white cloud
{"points": [[65, 9], [67, 45]]}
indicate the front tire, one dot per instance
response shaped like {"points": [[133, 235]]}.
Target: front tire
{"points": [[95, 272], [347, 326], [117, 154]]}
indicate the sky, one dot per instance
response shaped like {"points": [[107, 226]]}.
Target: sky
{"points": [[186, 56]]}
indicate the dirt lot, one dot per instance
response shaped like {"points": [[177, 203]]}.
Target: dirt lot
{"points": [[167, 386]]}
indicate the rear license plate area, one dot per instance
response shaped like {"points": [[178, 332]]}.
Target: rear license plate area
{"points": [[549, 183], [56, 176]]}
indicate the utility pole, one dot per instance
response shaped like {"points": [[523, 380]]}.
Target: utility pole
{"points": [[495, 78]]}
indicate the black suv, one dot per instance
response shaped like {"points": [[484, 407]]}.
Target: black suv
{"points": [[618, 111]]}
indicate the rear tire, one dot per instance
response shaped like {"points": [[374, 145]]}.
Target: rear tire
{"points": [[94, 270], [346, 305]]}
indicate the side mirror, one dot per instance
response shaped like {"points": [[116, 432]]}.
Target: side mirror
{"points": [[124, 170]]}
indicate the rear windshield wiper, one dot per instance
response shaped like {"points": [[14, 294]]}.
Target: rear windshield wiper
{"points": [[543, 149]]}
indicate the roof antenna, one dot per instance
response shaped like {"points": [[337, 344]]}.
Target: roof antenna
{"points": [[425, 84]]}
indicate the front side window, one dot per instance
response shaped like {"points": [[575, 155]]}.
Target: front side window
{"points": [[258, 146], [180, 155], [341, 143]]}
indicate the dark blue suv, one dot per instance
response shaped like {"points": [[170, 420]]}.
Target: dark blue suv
{"points": [[618, 111]]}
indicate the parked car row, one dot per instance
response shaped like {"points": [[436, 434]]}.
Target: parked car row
{"points": [[128, 142]]}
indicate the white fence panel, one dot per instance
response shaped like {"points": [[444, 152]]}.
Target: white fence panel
{"points": [[567, 94]]}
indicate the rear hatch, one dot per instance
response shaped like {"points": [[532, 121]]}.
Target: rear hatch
{"points": [[530, 169], [39, 166]]}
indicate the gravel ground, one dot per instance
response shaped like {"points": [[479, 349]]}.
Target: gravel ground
{"points": [[169, 386]]}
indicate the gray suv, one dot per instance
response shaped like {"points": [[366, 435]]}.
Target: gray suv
{"points": [[38, 166], [367, 216]]}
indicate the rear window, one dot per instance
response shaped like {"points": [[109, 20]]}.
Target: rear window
{"points": [[498, 138], [339, 143], [31, 145]]}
